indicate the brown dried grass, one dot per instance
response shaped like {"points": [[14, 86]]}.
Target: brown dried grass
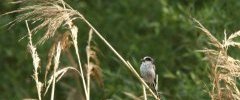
{"points": [[53, 15], [225, 70]]}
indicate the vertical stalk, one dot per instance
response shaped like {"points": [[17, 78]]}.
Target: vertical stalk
{"points": [[74, 31], [88, 62], [56, 64], [144, 92], [35, 62]]}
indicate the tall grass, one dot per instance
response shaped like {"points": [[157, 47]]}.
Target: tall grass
{"points": [[53, 15], [225, 70]]}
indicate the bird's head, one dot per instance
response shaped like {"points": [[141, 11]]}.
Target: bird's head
{"points": [[147, 58]]}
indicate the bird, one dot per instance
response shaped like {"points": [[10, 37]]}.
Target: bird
{"points": [[147, 72]]}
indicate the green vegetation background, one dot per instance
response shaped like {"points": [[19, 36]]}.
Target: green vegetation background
{"points": [[162, 29]]}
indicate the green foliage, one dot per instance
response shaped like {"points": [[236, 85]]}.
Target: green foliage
{"points": [[162, 29]]}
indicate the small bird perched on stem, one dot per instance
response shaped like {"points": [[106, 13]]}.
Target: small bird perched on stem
{"points": [[147, 70]]}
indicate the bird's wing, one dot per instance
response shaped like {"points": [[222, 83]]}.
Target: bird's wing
{"points": [[154, 67]]}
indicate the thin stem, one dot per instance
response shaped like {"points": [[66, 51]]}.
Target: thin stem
{"points": [[81, 70], [88, 84], [35, 62], [74, 31], [88, 62], [144, 92], [156, 86], [53, 85], [74, 38], [56, 64]]}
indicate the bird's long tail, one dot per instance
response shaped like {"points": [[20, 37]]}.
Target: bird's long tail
{"points": [[154, 86]]}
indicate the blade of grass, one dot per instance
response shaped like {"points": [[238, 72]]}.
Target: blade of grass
{"points": [[56, 64], [74, 31], [36, 61], [144, 92]]}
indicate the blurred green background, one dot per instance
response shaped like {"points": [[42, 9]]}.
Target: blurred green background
{"points": [[162, 29]]}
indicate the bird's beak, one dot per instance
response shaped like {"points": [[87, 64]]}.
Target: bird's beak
{"points": [[142, 59]]}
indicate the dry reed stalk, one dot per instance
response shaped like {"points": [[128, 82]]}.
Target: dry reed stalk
{"points": [[74, 31], [93, 65], [144, 92], [88, 61], [36, 62], [225, 70], [156, 87], [56, 64]]}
